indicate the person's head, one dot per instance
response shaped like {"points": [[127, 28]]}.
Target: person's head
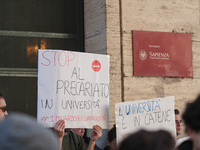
{"points": [[22, 132], [111, 136], [178, 121], [191, 118], [3, 110], [79, 131], [186, 145], [148, 140]]}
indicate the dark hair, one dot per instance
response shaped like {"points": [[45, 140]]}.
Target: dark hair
{"points": [[191, 116], [1, 96], [176, 111], [186, 145], [111, 134], [148, 140]]}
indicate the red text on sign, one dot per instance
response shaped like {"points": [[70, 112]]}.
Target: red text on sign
{"points": [[55, 58]]}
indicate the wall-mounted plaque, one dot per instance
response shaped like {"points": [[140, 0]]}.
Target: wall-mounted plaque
{"points": [[162, 54]]}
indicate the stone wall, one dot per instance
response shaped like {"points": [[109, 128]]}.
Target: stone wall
{"points": [[180, 16], [102, 36], [108, 26]]}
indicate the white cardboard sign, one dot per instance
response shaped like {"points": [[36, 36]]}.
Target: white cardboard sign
{"points": [[73, 86], [152, 114]]}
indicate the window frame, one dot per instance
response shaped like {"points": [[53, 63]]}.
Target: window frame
{"points": [[32, 72]]}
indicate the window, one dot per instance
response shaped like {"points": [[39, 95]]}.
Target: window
{"points": [[25, 27]]}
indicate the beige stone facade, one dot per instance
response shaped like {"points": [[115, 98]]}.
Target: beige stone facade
{"points": [[108, 26]]}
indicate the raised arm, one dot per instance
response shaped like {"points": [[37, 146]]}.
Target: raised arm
{"points": [[60, 131], [96, 134]]}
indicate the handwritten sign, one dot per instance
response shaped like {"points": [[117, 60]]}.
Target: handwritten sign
{"points": [[152, 114], [73, 86]]}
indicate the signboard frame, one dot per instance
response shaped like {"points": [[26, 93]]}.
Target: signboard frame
{"points": [[162, 54]]}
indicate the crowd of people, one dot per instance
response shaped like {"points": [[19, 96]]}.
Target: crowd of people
{"points": [[21, 131]]}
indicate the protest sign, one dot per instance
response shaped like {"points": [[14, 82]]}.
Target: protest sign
{"points": [[73, 86], [152, 114]]}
